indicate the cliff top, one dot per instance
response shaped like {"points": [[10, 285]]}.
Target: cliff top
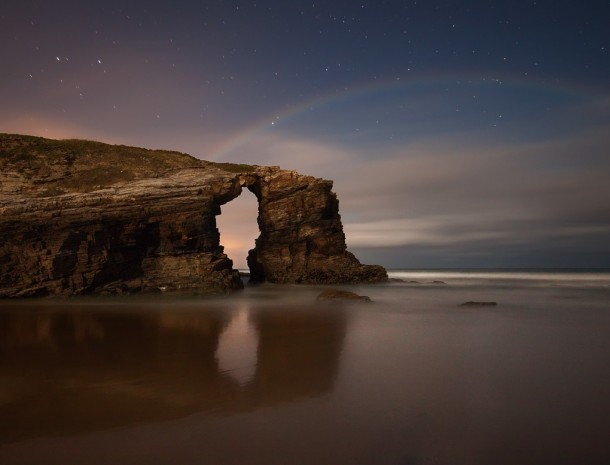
{"points": [[41, 167]]}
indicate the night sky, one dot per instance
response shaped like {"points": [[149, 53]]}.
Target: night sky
{"points": [[458, 134]]}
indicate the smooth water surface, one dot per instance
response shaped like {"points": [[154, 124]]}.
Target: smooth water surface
{"points": [[270, 376]]}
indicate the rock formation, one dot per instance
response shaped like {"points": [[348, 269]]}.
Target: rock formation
{"points": [[301, 238], [334, 295], [79, 217]]}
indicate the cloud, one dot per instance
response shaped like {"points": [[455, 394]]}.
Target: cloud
{"points": [[414, 232], [455, 230], [293, 153], [455, 192]]}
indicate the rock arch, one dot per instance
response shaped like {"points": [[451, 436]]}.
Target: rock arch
{"points": [[158, 232]]}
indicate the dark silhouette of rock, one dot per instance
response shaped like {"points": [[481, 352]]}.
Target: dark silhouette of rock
{"points": [[301, 238], [472, 303], [337, 294], [81, 217], [439, 282]]}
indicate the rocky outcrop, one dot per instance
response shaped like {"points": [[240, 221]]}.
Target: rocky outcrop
{"points": [[339, 295], [82, 217], [151, 235], [302, 239]]}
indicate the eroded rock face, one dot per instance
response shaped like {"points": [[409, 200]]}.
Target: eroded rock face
{"points": [[338, 295], [152, 226], [151, 235], [302, 239]]}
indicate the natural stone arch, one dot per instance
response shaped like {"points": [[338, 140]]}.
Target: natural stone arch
{"points": [[157, 231]]}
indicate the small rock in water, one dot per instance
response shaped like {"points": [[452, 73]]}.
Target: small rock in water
{"points": [[472, 303], [336, 294], [439, 282]]}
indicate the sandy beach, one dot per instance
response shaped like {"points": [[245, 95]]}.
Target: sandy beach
{"points": [[272, 376]]}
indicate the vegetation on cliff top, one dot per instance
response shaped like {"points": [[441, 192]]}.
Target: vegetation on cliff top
{"points": [[234, 167], [54, 167]]}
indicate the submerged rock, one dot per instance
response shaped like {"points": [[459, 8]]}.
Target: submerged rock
{"points": [[81, 217], [337, 294], [472, 303]]}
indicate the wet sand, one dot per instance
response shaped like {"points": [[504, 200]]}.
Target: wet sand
{"points": [[270, 376]]}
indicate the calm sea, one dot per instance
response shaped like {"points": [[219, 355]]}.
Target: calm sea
{"points": [[272, 376]]}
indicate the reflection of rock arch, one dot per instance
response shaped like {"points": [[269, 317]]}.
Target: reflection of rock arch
{"points": [[298, 353], [66, 372], [237, 348]]}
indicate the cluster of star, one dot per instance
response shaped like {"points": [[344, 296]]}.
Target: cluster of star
{"points": [[267, 57]]}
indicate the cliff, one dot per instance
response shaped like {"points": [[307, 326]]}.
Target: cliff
{"points": [[80, 217]]}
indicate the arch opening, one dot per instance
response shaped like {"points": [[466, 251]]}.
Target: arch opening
{"points": [[237, 226]]}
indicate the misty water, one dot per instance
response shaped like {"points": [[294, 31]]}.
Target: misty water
{"points": [[271, 376]]}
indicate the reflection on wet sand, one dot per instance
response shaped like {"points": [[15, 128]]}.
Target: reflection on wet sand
{"points": [[76, 370]]}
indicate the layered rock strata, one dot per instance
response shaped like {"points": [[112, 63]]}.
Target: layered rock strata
{"points": [[302, 239], [80, 217]]}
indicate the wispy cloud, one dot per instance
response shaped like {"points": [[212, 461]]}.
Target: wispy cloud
{"points": [[455, 192], [413, 232]]}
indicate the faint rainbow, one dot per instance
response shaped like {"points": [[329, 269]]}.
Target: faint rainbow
{"points": [[345, 94]]}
